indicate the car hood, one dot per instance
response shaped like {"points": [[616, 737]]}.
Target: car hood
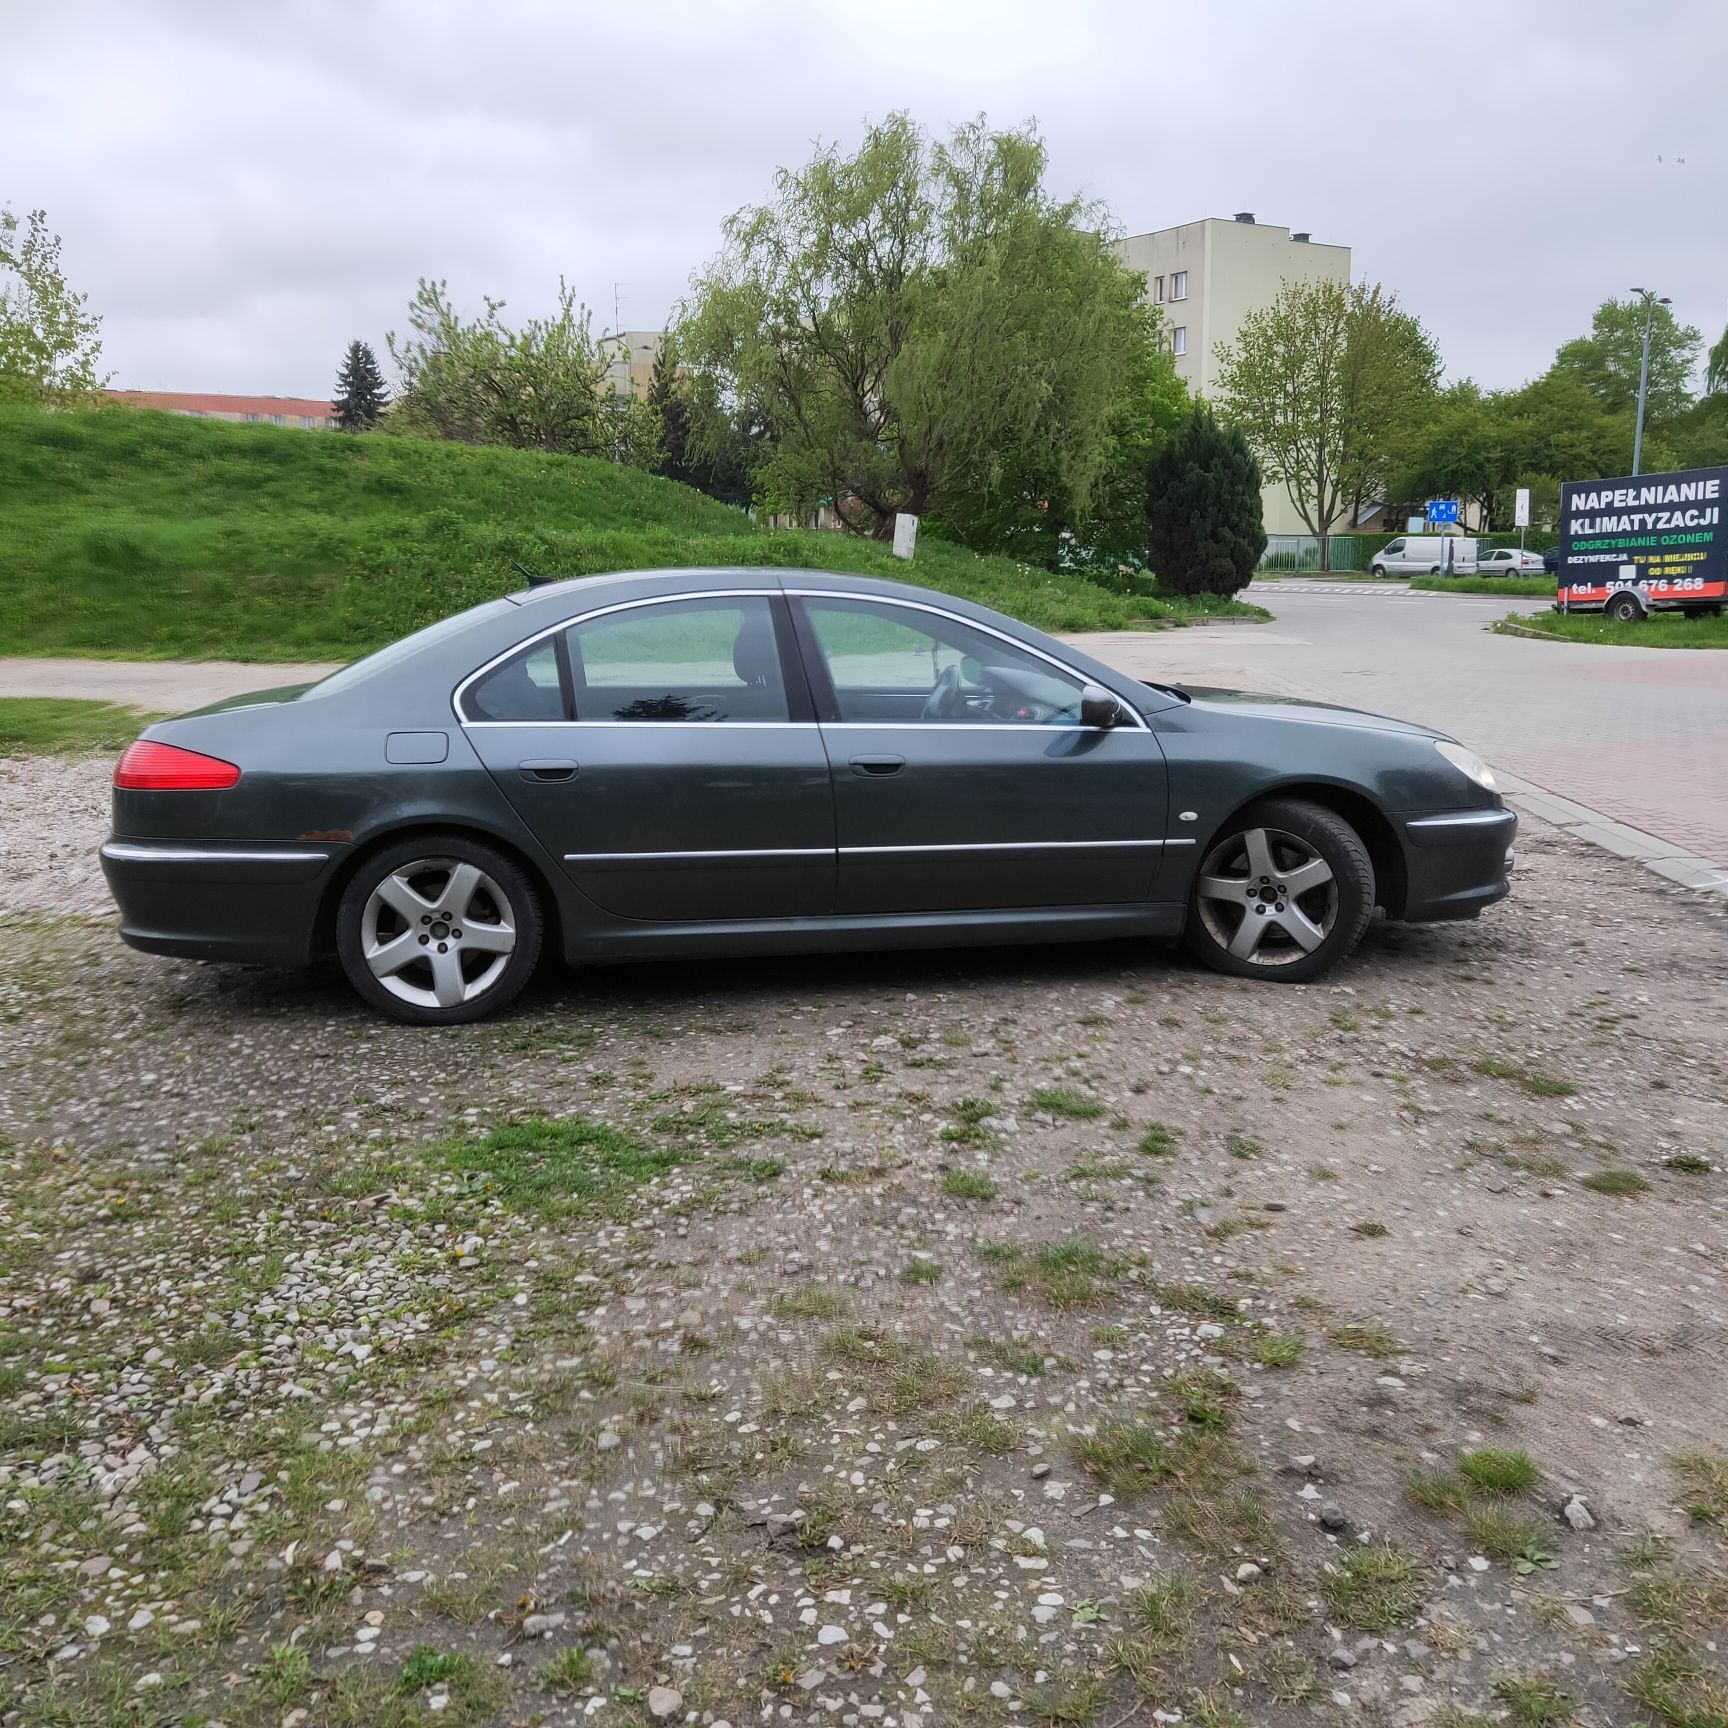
{"points": [[251, 699], [1262, 705]]}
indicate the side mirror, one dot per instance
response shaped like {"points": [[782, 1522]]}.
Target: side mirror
{"points": [[1099, 709]]}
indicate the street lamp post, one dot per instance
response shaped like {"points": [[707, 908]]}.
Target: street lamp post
{"points": [[1651, 302]]}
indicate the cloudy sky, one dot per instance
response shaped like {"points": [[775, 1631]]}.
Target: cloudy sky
{"points": [[243, 185]]}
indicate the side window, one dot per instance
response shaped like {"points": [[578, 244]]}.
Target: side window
{"points": [[680, 660], [891, 665], [524, 688]]}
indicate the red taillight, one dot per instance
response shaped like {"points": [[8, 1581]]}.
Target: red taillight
{"points": [[149, 767]]}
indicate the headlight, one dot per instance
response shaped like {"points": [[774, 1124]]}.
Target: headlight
{"points": [[1467, 762]]}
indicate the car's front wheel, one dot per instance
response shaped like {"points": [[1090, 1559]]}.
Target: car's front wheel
{"points": [[1283, 893], [1624, 608], [438, 930]]}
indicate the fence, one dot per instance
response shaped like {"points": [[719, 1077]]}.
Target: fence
{"points": [[1302, 551]]}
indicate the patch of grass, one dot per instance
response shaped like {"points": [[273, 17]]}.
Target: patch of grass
{"points": [[1500, 1533], [557, 1166], [755, 1169], [1016, 1357], [426, 1668], [1369, 1228], [1372, 1341], [968, 1185], [969, 1129], [1618, 1182], [1373, 1588], [921, 1272], [60, 726], [1532, 1701], [1069, 1274], [1689, 1164], [1661, 630], [571, 1670], [1533, 1081], [810, 1303], [1193, 1300], [1498, 1472], [978, 1426], [1065, 1101], [1127, 1458], [1242, 1146], [1705, 1478], [1677, 1688], [1159, 1141], [1279, 1349], [284, 1673], [1439, 1492]]}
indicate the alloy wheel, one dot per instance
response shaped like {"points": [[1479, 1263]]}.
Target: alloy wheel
{"points": [[1267, 897], [437, 932]]}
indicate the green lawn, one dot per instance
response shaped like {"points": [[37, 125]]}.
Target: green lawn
{"points": [[55, 726], [147, 535], [1664, 630], [1527, 587]]}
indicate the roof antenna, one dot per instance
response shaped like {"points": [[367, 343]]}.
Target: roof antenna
{"points": [[533, 578]]}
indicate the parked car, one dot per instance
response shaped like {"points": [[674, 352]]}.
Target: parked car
{"points": [[1426, 555], [1509, 561], [731, 762]]}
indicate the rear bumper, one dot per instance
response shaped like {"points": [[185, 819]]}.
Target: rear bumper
{"points": [[221, 901], [1456, 862]]}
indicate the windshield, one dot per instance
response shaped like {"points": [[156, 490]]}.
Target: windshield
{"points": [[407, 646]]}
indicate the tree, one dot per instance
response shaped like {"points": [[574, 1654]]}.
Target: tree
{"points": [[669, 400], [1716, 367], [542, 387], [360, 394], [49, 343], [901, 319], [1606, 362], [1205, 531], [1328, 384]]}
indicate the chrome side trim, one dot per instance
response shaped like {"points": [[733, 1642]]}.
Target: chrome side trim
{"points": [[724, 852], [1473, 819], [1000, 846], [127, 852]]}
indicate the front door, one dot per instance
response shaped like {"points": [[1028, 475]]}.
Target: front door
{"points": [[663, 754], [963, 779]]}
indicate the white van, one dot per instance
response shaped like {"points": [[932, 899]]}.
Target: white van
{"points": [[1426, 555]]}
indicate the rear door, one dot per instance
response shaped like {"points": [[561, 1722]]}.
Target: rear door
{"points": [[962, 777], [665, 750]]}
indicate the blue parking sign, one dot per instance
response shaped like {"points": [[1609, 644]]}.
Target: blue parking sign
{"points": [[1442, 509]]}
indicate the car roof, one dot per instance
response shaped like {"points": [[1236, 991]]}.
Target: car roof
{"points": [[703, 578]]}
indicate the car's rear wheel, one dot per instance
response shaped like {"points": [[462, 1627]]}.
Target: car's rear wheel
{"points": [[439, 930], [1624, 608], [1284, 893]]}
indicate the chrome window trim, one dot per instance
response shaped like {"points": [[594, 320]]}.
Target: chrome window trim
{"points": [[1061, 666], [638, 725], [570, 623], [129, 852]]}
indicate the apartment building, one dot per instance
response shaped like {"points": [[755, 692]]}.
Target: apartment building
{"points": [[298, 411], [1206, 277], [630, 357]]}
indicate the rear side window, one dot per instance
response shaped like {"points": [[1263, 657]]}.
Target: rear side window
{"points": [[712, 660], [524, 688]]}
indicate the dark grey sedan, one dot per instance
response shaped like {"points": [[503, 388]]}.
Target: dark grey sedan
{"points": [[720, 762]]}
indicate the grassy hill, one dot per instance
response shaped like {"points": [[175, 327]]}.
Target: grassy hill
{"points": [[149, 535]]}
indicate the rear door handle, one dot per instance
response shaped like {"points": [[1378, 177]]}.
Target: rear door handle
{"points": [[540, 769], [877, 767]]}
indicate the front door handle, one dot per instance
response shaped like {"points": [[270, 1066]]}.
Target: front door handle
{"points": [[540, 770], [877, 767]]}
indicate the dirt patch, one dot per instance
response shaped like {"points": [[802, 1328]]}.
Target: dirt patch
{"points": [[1059, 1335]]}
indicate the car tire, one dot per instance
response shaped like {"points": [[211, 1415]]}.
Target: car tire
{"points": [[1623, 609], [439, 929], [1306, 931], [1433, 569], [1377, 570]]}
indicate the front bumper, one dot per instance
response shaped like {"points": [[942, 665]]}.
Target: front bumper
{"points": [[1456, 862], [221, 901]]}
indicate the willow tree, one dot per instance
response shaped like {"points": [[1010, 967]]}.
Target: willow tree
{"points": [[902, 319]]}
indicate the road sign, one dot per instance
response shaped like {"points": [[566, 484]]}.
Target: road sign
{"points": [[1442, 509], [1521, 509]]}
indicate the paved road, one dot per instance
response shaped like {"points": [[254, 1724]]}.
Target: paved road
{"points": [[1640, 734]]}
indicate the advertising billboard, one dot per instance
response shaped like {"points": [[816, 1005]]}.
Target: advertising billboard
{"points": [[1662, 534]]}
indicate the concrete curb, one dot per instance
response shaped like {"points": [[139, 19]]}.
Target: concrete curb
{"points": [[1662, 857]]}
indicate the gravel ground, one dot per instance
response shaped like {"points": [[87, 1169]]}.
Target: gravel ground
{"points": [[1062, 1336]]}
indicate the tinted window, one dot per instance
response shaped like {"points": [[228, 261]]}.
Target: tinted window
{"points": [[525, 687], [681, 660], [409, 646], [891, 664], [1395, 547]]}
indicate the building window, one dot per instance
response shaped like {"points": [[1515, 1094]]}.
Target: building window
{"points": [[305, 419], [253, 419], [1179, 285], [1158, 289], [1179, 339], [276, 420]]}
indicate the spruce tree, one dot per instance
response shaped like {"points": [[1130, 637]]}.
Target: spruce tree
{"points": [[360, 394], [1204, 528], [666, 398]]}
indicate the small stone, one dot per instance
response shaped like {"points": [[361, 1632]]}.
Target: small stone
{"points": [[140, 1620], [1495, 1286], [783, 1523], [1246, 1572], [95, 1627], [1332, 1517], [1040, 1470], [1577, 1514], [831, 1635], [610, 1440], [95, 1566], [664, 1701], [543, 1625], [1579, 1615], [1341, 1656], [811, 1678]]}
